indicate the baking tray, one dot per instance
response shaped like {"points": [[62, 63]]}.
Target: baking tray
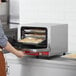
{"points": [[20, 45]]}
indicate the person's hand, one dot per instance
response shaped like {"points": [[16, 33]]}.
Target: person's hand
{"points": [[11, 49], [19, 54]]}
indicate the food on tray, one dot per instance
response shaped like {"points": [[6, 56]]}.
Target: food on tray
{"points": [[70, 56], [31, 40]]}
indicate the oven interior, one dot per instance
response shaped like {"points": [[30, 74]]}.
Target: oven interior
{"points": [[34, 37]]}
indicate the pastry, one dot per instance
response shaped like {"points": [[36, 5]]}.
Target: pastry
{"points": [[31, 40]]}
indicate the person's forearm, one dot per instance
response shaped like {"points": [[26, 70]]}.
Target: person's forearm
{"points": [[10, 48]]}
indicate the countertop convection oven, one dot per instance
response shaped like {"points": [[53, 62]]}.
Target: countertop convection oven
{"points": [[44, 39]]}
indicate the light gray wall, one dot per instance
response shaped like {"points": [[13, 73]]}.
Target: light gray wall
{"points": [[14, 11], [3, 8], [53, 11], [4, 14]]}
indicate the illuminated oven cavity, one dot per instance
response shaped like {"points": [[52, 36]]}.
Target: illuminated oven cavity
{"points": [[34, 36]]}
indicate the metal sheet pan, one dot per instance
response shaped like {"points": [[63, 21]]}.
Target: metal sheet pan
{"points": [[20, 45]]}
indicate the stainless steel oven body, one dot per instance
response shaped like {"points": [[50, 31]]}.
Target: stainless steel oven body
{"points": [[55, 38]]}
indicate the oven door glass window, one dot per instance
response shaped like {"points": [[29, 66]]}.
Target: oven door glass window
{"points": [[36, 37]]}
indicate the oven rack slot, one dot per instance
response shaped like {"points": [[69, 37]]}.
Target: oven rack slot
{"points": [[39, 31]]}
